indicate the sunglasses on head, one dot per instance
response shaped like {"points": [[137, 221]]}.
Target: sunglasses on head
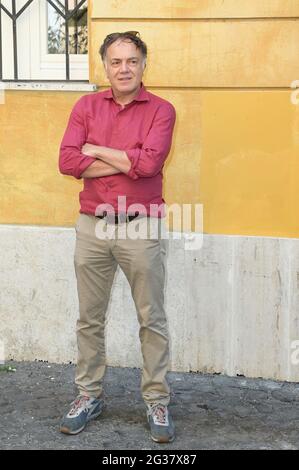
{"points": [[112, 35]]}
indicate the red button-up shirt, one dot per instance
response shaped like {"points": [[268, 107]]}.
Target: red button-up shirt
{"points": [[143, 129]]}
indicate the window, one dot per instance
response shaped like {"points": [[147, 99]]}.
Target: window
{"points": [[43, 40]]}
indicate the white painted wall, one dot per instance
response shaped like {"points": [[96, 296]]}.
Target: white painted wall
{"points": [[232, 306]]}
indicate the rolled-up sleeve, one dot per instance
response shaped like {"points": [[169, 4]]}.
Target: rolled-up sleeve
{"points": [[148, 160], [71, 160]]}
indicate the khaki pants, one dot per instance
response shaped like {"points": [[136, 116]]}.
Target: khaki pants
{"points": [[143, 263]]}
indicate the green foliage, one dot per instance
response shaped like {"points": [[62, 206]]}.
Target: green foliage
{"points": [[78, 35], [7, 369]]}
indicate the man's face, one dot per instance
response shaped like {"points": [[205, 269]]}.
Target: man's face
{"points": [[124, 66]]}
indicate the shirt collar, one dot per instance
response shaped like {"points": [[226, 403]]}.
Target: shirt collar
{"points": [[143, 94]]}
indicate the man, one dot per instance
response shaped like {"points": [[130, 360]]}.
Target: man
{"points": [[117, 141]]}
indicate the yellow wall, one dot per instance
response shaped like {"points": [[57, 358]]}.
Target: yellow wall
{"points": [[227, 67], [210, 54], [193, 9], [32, 190]]}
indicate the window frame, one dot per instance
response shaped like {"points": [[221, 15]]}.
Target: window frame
{"points": [[35, 63]]}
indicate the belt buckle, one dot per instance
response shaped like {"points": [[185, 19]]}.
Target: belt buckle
{"points": [[111, 219], [121, 218]]}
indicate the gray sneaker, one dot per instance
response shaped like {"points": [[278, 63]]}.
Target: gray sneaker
{"points": [[161, 423], [83, 409]]}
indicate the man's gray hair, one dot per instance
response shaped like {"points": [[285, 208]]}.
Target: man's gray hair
{"points": [[128, 36]]}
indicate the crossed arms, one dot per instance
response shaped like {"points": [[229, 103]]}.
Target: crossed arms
{"points": [[110, 161], [80, 158]]}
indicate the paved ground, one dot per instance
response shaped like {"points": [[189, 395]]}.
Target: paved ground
{"points": [[210, 411]]}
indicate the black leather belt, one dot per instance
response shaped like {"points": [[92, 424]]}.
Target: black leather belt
{"points": [[118, 218]]}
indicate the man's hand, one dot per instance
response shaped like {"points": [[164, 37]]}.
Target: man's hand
{"points": [[98, 169], [90, 149], [114, 157]]}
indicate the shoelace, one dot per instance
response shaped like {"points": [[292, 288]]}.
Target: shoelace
{"points": [[159, 411], [78, 403]]}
